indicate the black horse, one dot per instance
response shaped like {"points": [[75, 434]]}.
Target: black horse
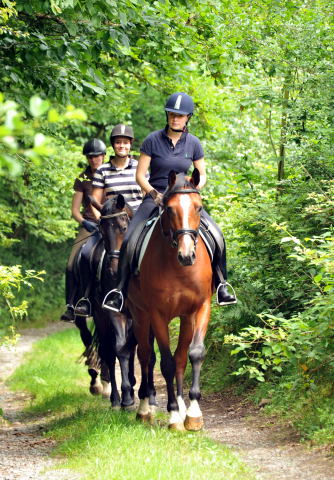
{"points": [[112, 335]]}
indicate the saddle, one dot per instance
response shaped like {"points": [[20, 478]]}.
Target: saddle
{"points": [[86, 254], [138, 242]]}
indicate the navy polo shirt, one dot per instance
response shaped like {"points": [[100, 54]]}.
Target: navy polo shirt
{"points": [[165, 157]]}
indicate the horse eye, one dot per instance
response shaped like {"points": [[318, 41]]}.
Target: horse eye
{"points": [[199, 209]]}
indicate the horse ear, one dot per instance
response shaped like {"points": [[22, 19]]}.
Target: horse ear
{"points": [[195, 177], [95, 203], [171, 178], [120, 202]]}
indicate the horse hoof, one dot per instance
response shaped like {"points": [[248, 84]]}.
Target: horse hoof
{"points": [[176, 427], [193, 423], [95, 389], [145, 418]]}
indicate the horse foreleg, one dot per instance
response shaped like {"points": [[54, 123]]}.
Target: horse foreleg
{"points": [[114, 395], [126, 388], [123, 349], [194, 419], [85, 333], [167, 365], [180, 355]]}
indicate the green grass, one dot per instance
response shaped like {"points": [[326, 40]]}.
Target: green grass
{"points": [[103, 444]]}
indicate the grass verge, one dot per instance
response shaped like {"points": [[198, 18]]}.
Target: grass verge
{"points": [[103, 444]]}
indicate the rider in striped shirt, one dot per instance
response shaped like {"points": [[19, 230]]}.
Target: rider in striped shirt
{"points": [[119, 174]]}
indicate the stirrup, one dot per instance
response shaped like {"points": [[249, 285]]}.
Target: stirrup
{"points": [[234, 294], [85, 315], [110, 307]]}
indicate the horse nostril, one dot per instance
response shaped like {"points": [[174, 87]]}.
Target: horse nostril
{"points": [[186, 260]]}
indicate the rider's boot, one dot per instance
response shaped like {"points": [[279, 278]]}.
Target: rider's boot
{"points": [[219, 262], [83, 307], [68, 315], [223, 297]]}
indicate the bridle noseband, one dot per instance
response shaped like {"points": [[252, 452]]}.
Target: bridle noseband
{"points": [[182, 231]]}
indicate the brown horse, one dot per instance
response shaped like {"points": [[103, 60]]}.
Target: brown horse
{"points": [[175, 280]]}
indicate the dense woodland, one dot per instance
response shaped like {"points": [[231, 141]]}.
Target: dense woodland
{"points": [[261, 75]]}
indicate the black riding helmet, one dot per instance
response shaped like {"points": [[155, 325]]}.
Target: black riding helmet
{"points": [[121, 130], [181, 103], [94, 147]]}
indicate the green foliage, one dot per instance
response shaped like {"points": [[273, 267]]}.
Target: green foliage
{"points": [[12, 279], [261, 75]]}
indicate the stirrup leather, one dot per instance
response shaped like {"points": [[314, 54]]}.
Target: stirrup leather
{"points": [[234, 294], [108, 307], [86, 300]]}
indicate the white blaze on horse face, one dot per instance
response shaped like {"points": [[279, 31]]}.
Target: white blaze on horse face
{"points": [[186, 241]]}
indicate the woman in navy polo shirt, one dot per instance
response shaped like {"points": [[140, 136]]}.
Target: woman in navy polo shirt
{"points": [[172, 148]]}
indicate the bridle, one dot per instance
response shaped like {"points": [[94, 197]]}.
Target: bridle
{"points": [[175, 234], [113, 253]]}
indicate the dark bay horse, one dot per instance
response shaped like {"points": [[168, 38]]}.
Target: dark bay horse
{"points": [[175, 280], [113, 334]]}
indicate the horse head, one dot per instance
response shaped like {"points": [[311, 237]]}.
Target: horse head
{"points": [[115, 217], [182, 211]]}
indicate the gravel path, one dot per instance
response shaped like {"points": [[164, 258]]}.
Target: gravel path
{"points": [[24, 452], [272, 451]]}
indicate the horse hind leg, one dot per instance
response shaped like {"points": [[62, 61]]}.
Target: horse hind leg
{"points": [[95, 386], [93, 363]]}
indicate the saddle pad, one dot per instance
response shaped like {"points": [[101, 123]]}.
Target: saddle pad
{"points": [[150, 224], [208, 241]]}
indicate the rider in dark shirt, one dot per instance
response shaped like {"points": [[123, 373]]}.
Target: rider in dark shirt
{"points": [[82, 212], [172, 148]]}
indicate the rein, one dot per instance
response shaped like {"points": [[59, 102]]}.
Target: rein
{"points": [[112, 215], [182, 231]]}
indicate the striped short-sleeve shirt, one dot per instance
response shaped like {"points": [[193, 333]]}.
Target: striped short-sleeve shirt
{"points": [[119, 180]]}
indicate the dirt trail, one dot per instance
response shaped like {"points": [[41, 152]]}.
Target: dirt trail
{"points": [[272, 451], [24, 452]]}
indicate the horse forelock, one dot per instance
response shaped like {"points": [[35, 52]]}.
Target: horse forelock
{"points": [[109, 207], [181, 182]]}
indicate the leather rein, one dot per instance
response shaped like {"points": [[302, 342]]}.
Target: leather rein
{"points": [[175, 234]]}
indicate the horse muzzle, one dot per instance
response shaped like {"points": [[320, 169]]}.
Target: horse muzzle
{"points": [[186, 252]]}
